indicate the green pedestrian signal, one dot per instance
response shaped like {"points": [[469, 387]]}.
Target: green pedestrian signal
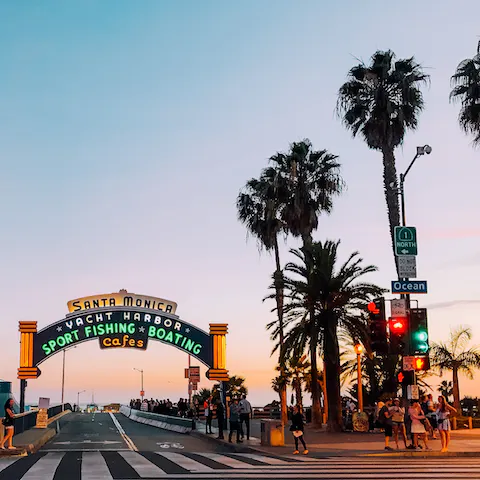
{"points": [[419, 331]]}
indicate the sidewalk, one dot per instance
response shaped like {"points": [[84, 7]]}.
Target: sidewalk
{"points": [[320, 443]]}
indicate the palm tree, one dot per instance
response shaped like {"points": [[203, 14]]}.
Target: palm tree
{"points": [[258, 208], [446, 389], [381, 101], [297, 368], [308, 180], [236, 386], [466, 89], [321, 299], [454, 356]]}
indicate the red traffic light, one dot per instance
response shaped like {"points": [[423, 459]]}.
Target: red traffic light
{"points": [[400, 377], [372, 307], [398, 326]]}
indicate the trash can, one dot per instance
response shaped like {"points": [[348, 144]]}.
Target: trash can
{"points": [[272, 433]]}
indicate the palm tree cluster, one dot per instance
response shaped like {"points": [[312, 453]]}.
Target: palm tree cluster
{"points": [[315, 296]]}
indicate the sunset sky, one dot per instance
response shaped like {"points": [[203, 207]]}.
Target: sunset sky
{"points": [[128, 128]]}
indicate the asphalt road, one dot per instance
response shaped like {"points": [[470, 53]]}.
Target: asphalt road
{"points": [[104, 432]]}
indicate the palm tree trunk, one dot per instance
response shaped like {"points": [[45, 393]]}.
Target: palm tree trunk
{"points": [[280, 299], [456, 391], [315, 387], [332, 375], [390, 185], [298, 393]]}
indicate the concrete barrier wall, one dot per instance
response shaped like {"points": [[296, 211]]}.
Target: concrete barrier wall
{"points": [[165, 422]]}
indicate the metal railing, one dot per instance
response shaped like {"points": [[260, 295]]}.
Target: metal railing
{"points": [[27, 420]]}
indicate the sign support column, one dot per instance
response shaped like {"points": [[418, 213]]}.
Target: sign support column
{"points": [[27, 369]]}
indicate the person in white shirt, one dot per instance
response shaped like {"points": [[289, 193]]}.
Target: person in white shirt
{"points": [[245, 415]]}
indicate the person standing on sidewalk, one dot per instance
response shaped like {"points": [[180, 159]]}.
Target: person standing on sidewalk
{"points": [[443, 412], [208, 411], [245, 415], [8, 423], [385, 420], [398, 422], [235, 421], [297, 429], [220, 418], [418, 424]]}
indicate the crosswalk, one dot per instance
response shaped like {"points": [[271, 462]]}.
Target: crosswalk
{"points": [[129, 465]]}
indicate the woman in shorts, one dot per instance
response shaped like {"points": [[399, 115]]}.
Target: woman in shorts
{"points": [[398, 422], [8, 422], [443, 412]]}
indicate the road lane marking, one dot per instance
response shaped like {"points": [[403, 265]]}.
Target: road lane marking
{"points": [[121, 431], [229, 461], [6, 462], [185, 462], [141, 465], [264, 459], [45, 468], [94, 467]]}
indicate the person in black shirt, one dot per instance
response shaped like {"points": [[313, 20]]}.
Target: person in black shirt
{"points": [[297, 429], [220, 418], [8, 422]]}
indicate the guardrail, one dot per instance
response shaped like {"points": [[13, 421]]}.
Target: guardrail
{"points": [[25, 421], [165, 422]]}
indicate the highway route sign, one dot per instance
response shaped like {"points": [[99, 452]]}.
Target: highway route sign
{"points": [[407, 266], [405, 241]]}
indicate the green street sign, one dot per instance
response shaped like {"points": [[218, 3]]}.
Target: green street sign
{"points": [[405, 241]]}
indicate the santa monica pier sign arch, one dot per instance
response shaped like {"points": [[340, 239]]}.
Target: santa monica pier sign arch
{"points": [[122, 320]]}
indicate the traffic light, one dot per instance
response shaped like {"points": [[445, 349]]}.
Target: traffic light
{"points": [[422, 363], [406, 377], [398, 329], [419, 331], [378, 325]]}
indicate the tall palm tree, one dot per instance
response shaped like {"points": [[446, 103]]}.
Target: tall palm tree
{"points": [[466, 89], [258, 207], [297, 368], [323, 298], [453, 355], [381, 101], [308, 180], [236, 386]]}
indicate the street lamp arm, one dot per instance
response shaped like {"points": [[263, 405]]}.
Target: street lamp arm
{"points": [[403, 175]]}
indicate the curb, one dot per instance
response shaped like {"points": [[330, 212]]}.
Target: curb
{"points": [[40, 442], [422, 454]]}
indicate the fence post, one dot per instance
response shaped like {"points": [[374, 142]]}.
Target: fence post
{"points": [[454, 423], [470, 423]]}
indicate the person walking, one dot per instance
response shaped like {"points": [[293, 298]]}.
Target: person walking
{"points": [[8, 423], [235, 421], [208, 411], [443, 412], [297, 429], [220, 418], [245, 415]]}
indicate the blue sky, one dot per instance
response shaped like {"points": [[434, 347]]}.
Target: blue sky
{"points": [[129, 127]]}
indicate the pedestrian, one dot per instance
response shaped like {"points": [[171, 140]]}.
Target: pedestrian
{"points": [[398, 422], [385, 420], [418, 426], [297, 429], [220, 418], [8, 423], [245, 415], [235, 421], [443, 412], [208, 411]]}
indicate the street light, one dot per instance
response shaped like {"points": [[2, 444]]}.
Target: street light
{"points": [[78, 398], [358, 350], [142, 393], [426, 149], [63, 376]]}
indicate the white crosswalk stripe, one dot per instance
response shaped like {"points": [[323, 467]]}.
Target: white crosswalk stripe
{"points": [[209, 466]]}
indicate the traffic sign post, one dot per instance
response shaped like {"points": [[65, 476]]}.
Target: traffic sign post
{"points": [[407, 266], [405, 241]]}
